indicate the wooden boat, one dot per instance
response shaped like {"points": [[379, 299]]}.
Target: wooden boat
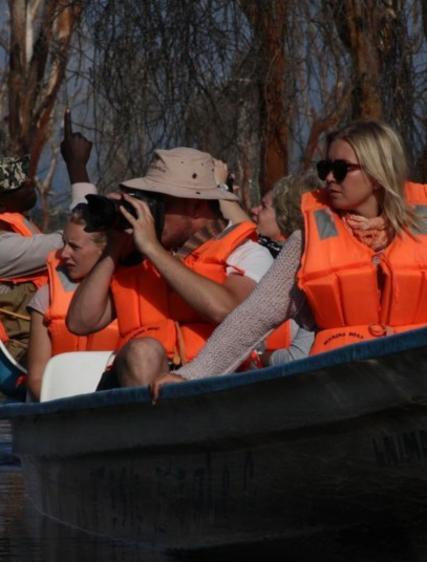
{"points": [[323, 443]]}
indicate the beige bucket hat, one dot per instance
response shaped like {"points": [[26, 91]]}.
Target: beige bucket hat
{"points": [[181, 172]]}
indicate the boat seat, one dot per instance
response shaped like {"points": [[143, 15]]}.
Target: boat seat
{"points": [[68, 374]]}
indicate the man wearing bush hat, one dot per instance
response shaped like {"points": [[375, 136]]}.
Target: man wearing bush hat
{"points": [[192, 276]]}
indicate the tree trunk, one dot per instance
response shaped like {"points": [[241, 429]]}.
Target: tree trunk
{"points": [[39, 47], [269, 19], [368, 29]]}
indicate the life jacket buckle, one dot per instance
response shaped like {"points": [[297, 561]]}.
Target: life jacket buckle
{"points": [[377, 330]]}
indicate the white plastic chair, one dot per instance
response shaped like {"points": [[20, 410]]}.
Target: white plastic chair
{"points": [[69, 374]]}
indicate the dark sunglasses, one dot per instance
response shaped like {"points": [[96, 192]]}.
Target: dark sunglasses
{"points": [[339, 168]]}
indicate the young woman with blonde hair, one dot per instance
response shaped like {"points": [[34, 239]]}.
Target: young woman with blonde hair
{"points": [[49, 335]]}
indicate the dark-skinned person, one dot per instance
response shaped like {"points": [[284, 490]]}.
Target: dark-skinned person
{"points": [[193, 271], [356, 269], [23, 248], [66, 267]]}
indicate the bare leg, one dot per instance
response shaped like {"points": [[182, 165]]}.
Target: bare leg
{"points": [[140, 361]]}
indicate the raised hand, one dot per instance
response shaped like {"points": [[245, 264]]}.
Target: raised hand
{"points": [[144, 229], [220, 171], [75, 149]]}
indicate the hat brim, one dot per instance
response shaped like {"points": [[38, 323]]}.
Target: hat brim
{"points": [[182, 191]]}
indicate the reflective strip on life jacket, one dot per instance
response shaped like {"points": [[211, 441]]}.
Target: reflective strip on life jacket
{"points": [[325, 224]]}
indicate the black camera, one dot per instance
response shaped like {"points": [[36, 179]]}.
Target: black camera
{"points": [[104, 213]]}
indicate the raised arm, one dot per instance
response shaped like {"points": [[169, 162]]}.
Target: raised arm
{"points": [[91, 308], [230, 210], [25, 255], [75, 150]]}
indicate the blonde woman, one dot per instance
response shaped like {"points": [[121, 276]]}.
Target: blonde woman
{"points": [[358, 270]]}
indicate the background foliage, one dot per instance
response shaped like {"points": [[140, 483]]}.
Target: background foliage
{"points": [[255, 82]]}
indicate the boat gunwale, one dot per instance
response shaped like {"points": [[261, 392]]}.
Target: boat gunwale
{"points": [[363, 351]]}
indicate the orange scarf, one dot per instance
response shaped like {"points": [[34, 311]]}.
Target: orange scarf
{"points": [[375, 232]]}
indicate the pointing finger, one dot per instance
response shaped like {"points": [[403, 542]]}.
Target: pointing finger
{"points": [[68, 129]]}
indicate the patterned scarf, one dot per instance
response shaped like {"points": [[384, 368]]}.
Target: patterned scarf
{"points": [[375, 233], [273, 246]]}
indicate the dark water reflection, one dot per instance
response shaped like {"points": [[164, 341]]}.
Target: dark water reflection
{"points": [[26, 536]]}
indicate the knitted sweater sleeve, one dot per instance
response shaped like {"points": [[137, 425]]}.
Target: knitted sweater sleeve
{"points": [[275, 299]]}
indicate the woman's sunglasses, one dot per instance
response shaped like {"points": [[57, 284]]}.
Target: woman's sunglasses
{"points": [[339, 168]]}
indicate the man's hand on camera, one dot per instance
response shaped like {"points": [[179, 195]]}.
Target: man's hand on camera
{"points": [[144, 230], [75, 150]]}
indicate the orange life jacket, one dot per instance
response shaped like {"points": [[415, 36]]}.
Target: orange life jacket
{"points": [[61, 290], [147, 306], [280, 338], [339, 276], [18, 224]]}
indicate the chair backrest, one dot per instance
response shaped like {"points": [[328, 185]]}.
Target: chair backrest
{"points": [[68, 374]]}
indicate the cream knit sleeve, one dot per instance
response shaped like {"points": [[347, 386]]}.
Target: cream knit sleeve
{"points": [[275, 299]]}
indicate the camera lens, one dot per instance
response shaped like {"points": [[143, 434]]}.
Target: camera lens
{"points": [[104, 213]]}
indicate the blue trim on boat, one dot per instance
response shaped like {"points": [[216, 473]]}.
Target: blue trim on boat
{"points": [[361, 351]]}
